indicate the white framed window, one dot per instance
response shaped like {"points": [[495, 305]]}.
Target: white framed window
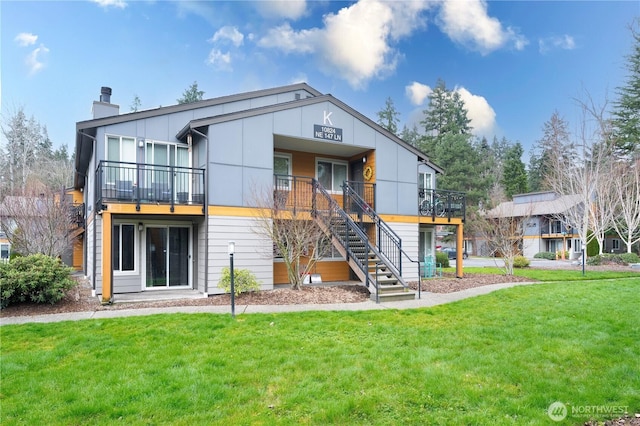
{"points": [[124, 249], [555, 227], [282, 169], [615, 244], [425, 181], [120, 149], [577, 246], [4, 251], [331, 174]]}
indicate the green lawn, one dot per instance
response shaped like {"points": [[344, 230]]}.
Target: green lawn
{"points": [[553, 274], [498, 359]]}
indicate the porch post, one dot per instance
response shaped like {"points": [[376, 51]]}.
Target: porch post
{"points": [[107, 284], [459, 249]]}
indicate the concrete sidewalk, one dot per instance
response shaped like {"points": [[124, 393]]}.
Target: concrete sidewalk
{"points": [[427, 300]]}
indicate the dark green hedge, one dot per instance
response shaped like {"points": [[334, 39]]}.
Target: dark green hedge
{"points": [[36, 278]]}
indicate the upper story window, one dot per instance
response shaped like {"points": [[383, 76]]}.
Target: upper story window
{"points": [[331, 174], [425, 181], [555, 227], [282, 170], [166, 154], [121, 149]]}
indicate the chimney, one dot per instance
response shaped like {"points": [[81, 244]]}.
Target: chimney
{"points": [[104, 107], [105, 94]]}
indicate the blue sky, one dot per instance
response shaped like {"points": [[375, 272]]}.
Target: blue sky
{"points": [[514, 62]]}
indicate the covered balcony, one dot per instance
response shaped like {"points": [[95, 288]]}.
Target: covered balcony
{"points": [[139, 183], [441, 203]]}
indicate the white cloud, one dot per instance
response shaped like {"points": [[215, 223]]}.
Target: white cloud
{"points": [[468, 23], [417, 92], [564, 42], [120, 4], [35, 60], [220, 61], [228, 33], [26, 39], [356, 42], [287, 9], [482, 115]]}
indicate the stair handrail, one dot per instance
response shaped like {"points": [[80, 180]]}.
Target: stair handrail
{"points": [[389, 243], [335, 210], [353, 195]]}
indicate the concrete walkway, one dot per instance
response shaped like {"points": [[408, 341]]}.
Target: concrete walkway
{"points": [[427, 300]]}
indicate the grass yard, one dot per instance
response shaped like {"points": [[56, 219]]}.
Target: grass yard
{"points": [[552, 274], [498, 359]]}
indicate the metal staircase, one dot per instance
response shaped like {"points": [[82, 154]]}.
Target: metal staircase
{"points": [[377, 265]]}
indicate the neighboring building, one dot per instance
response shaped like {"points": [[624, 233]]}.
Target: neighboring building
{"points": [[166, 189], [545, 228], [5, 247]]}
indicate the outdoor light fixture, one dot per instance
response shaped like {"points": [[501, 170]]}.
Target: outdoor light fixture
{"points": [[231, 248], [141, 143], [364, 159], [140, 227]]}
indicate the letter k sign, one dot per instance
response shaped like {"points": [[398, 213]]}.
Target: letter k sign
{"points": [[327, 118]]}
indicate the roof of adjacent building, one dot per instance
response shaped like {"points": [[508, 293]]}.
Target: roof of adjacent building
{"points": [[535, 204]]}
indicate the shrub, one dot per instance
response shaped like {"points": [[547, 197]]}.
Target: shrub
{"points": [[594, 260], [545, 255], [520, 262], [442, 258], [243, 281], [36, 278], [630, 258]]}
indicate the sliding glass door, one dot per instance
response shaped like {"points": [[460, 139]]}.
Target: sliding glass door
{"points": [[167, 256]]}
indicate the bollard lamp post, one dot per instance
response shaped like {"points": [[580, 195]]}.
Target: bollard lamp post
{"points": [[231, 250]]}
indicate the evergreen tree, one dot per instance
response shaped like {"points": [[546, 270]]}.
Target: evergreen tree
{"points": [[192, 94], [388, 117], [411, 136], [514, 175], [446, 115], [555, 147], [626, 113]]}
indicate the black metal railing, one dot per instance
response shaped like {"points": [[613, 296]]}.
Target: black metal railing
{"points": [[365, 190], [149, 183], [344, 229], [554, 229], [293, 193], [388, 242], [442, 203]]}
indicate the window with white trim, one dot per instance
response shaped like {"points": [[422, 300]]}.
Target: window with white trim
{"points": [[282, 170], [4, 251], [120, 149], [615, 244], [124, 243], [331, 174]]}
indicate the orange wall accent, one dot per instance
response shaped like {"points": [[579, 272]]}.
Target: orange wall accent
{"points": [[328, 270], [78, 254]]}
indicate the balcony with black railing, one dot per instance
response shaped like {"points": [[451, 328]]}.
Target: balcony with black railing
{"points": [[141, 183], [442, 203]]}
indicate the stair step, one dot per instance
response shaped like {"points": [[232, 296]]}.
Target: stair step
{"points": [[394, 297], [391, 288]]}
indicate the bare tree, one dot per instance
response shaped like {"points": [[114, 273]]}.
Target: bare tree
{"points": [[36, 224], [585, 178], [625, 201], [504, 228], [297, 239]]}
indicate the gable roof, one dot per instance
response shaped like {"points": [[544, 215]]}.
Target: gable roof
{"points": [[556, 206], [204, 122], [86, 130]]}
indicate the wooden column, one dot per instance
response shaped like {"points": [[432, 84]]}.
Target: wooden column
{"points": [[459, 249], [107, 273]]}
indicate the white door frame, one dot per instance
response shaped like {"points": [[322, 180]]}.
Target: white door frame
{"points": [[143, 254]]}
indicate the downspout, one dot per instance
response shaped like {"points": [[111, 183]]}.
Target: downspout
{"points": [[206, 216], [95, 218]]}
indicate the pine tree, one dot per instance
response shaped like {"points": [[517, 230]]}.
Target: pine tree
{"points": [[514, 175], [555, 147], [388, 117], [626, 113]]}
